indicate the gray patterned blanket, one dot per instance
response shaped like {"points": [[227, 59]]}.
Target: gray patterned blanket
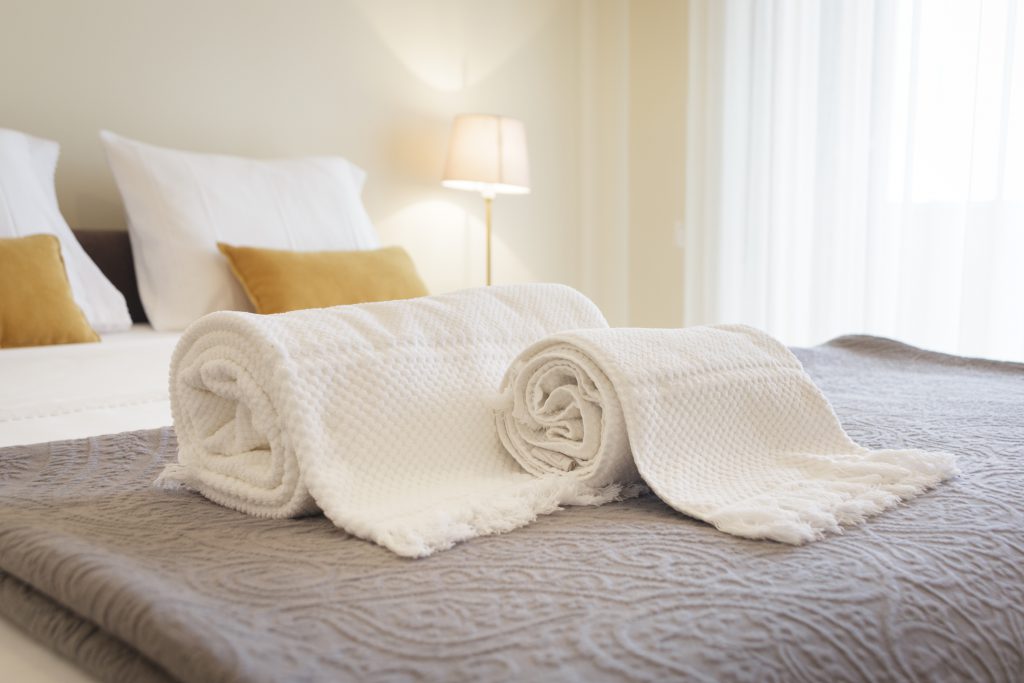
{"points": [[135, 583]]}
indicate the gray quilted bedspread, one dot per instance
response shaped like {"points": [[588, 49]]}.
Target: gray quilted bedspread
{"points": [[135, 583]]}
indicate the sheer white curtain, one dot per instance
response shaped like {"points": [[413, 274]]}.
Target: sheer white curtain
{"points": [[858, 167]]}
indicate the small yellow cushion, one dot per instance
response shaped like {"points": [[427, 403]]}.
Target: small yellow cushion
{"points": [[277, 281], [36, 306]]}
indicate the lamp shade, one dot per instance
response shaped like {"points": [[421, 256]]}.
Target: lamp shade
{"points": [[487, 154]]}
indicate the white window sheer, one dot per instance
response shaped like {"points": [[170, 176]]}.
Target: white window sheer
{"points": [[858, 167]]}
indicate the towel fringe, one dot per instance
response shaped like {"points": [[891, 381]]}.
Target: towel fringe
{"points": [[801, 512], [175, 476]]}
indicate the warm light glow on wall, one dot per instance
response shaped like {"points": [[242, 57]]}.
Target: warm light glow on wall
{"points": [[452, 45]]}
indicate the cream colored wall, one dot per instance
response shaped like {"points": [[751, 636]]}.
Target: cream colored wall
{"points": [[657, 161], [376, 81], [633, 163], [604, 156], [599, 84]]}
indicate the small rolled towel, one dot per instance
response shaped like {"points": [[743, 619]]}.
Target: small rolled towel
{"points": [[721, 422]]}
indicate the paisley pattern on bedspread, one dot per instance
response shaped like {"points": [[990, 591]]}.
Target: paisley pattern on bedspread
{"points": [[933, 590]]}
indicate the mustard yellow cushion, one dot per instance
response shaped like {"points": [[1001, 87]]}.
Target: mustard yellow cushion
{"points": [[277, 281], [36, 306]]}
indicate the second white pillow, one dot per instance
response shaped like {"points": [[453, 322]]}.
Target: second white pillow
{"points": [[180, 204]]}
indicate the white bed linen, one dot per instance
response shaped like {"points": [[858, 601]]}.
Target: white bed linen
{"points": [[69, 391], [26, 661]]}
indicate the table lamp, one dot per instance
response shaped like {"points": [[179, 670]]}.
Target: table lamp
{"points": [[487, 154]]}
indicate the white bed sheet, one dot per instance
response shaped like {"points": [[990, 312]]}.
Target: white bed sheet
{"points": [[70, 391], [26, 661]]}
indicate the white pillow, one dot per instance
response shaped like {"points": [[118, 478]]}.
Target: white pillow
{"points": [[180, 204], [28, 205]]}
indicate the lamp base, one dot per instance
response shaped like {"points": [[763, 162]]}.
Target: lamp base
{"points": [[487, 220]]}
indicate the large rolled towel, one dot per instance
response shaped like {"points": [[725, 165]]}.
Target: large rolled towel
{"points": [[721, 422], [380, 415]]}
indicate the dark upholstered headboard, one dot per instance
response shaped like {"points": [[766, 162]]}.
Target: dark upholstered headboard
{"points": [[112, 252]]}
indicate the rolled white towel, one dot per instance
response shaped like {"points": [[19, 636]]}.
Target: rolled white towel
{"points": [[721, 422], [380, 415]]}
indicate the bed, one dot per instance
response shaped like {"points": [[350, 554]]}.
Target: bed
{"points": [[81, 390], [74, 390], [129, 582]]}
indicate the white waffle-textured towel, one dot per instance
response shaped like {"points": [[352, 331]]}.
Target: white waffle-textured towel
{"points": [[721, 422], [381, 415]]}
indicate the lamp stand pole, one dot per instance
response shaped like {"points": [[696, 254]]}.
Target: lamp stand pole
{"points": [[487, 213]]}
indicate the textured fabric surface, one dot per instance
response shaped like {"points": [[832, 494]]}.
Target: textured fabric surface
{"points": [[633, 591], [91, 648], [721, 422], [378, 414]]}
